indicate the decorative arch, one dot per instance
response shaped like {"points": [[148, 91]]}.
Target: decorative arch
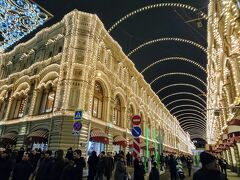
{"points": [[21, 80], [21, 90], [104, 81], [50, 68], [120, 92], [49, 80]]}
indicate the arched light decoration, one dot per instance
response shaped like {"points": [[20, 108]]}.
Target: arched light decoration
{"points": [[186, 114], [178, 73], [188, 100], [187, 124], [182, 84], [200, 136], [196, 122], [18, 18], [191, 118], [167, 39], [194, 129], [186, 105], [199, 133], [159, 5], [175, 58], [184, 93], [188, 110]]}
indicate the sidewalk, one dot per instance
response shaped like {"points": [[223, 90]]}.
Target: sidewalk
{"points": [[232, 175]]}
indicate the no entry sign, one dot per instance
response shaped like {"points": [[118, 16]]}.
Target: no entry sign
{"points": [[136, 120]]}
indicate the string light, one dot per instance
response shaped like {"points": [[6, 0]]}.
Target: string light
{"points": [[182, 84], [178, 73], [17, 19], [187, 123], [181, 93], [159, 5], [188, 110], [174, 58], [188, 100], [194, 129], [193, 114], [186, 105], [192, 119]]}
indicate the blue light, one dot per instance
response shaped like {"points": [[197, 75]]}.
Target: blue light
{"points": [[18, 18]]}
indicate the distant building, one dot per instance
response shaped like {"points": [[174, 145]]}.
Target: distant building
{"points": [[75, 64]]}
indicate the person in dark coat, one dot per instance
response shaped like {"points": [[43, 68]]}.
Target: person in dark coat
{"points": [[5, 166], [23, 169], [120, 172], [69, 154], [128, 156], [209, 170], [34, 157], [45, 167], [154, 174], [173, 167], [74, 171], [139, 170], [20, 155], [189, 162], [57, 165], [109, 166], [101, 166], [92, 165]]}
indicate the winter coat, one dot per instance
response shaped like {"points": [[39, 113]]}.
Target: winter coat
{"points": [[101, 167], [204, 174], [5, 168], [44, 169], [120, 172], [22, 170], [109, 166], [154, 174], [56, 169], [92, 167]]}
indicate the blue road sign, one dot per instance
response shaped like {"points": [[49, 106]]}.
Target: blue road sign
{"points": [[78, 115], [136, 131], [77, 126]]}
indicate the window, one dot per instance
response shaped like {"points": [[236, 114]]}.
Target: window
{"points": [[60, 49], [97, 106], [47, 101], [19, 108], [117, 111]]}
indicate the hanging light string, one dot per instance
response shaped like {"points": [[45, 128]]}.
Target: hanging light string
{"points": [[167, 39], [186, 105], [188, 100], [178, 73], [159, 5], [194, 114], [174, 58], [188, 110]]}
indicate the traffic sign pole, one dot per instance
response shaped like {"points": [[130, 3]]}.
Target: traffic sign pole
{"points": [[136, 148], [136, 132]]}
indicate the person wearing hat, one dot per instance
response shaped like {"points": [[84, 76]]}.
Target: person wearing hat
{"points": [[209, 170]]}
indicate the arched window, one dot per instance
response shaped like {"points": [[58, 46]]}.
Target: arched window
{"points": [[19, 108], [47, 101], [97, 107], [130, 115], [117, 111]]}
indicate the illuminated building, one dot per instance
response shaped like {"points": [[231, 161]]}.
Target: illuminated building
{"points": [[75, 64], [223, 120]]}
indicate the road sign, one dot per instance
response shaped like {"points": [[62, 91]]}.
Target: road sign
{"points": [[136, 131], [78, 115], [136, 120], [77, 126]]}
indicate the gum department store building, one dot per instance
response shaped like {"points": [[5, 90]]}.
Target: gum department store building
{"points": [[75, 64]]}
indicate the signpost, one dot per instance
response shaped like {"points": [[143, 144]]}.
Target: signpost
{"points": [[136, 132], [77, 125]]}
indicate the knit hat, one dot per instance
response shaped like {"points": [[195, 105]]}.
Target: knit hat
{"points": [[206, 158]]}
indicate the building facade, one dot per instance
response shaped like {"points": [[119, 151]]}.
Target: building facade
{"points": [[75, 64], [223, 115]]}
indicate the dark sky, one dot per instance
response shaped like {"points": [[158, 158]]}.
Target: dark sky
{"points": [[146, 26]]}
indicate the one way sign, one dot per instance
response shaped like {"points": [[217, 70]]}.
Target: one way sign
{"points": [[78, 115]]}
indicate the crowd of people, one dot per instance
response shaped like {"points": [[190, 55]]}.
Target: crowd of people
{"points": [[38, 165]]}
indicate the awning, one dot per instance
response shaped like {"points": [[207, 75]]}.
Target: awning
{"points": [[119, 140], [97, 135], [9, 138], [39, 136]]}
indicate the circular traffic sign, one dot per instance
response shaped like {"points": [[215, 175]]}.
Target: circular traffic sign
{"points": [[77, 126], [136, 131], [136, 120]]}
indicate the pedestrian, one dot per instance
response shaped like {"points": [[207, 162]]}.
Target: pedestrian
{"points": [[173, 167], [189, 165], [109, 166], [101, 166], [209, 170], [154, 174], [128, 157], [23, 169], [69, 154], [57, 166], [224, 166], [139, 170], [92, 165], [162, 161], [5, 165], [45, 166], [34, 157], [120, 172]]}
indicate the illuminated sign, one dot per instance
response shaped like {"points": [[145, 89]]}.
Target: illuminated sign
{"points": [[18, 18]]}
